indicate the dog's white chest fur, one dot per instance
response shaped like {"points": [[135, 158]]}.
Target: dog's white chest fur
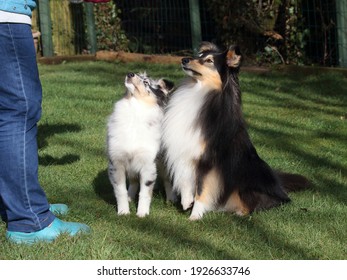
{"points": [[182, 139], [134, 132]]}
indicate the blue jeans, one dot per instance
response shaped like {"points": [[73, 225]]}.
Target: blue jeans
{"points": [[23, 203]]}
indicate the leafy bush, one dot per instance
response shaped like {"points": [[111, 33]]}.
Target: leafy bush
{"points": [[295, 35], [272, 26], [109, 32]]}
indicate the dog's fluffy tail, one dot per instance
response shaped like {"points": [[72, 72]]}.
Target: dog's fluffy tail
{"points": [[293, 182]]}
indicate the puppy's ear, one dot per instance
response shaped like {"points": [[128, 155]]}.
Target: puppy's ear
{"points": [[233, 57], [166, 85], [208, 46]]}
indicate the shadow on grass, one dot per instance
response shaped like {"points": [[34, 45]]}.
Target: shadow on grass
{"points": [[273, 241], [67, 159], [181, 237], [46, 131], [221, 237], [103, 188]]}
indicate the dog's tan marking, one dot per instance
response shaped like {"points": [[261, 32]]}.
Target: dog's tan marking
{"points": [[210, 188], [235, 204], [203, 144], [212, 80], [140, 91], [149, 100], [233, 59], [209, 75]]}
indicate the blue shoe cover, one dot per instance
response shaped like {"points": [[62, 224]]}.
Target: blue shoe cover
{"points": [[59, 209], [49, 233]]}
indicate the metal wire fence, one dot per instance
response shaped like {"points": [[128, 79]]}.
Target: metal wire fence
{"points": [[153, 26], [161, 26], [324, 32], [313, 30]]}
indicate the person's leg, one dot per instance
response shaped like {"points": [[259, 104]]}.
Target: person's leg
{"points": [[26, 205], [27, 211]]}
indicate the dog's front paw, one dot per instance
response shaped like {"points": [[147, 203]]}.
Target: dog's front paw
{"points": [[123, 211], [198, 211], [187, 202], [142, 214], [195, 217]]}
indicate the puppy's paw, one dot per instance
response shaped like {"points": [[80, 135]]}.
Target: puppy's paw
{"points": [[122, 212], [142, 214]]}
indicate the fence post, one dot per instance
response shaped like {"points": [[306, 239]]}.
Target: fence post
{"points": [[91, 26], [46, 27], [195, 24], [341, 15]]}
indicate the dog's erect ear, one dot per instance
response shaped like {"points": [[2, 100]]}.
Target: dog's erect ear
{"points": [[208, 46], [233, 57], [166, 85]]}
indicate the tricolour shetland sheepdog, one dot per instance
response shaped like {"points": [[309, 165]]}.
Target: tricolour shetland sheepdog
{"points": [[210, 156], [134, 140]]}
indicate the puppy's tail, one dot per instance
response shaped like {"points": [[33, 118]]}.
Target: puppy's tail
{"points": [[293, 182]]}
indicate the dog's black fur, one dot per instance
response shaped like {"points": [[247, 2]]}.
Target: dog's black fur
{"points": [[230, 148]]}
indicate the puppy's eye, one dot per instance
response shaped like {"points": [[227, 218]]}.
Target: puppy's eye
{"points": [[209, 60]]}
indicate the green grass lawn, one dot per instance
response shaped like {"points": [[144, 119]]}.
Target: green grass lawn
{"points": [[297, 122]]}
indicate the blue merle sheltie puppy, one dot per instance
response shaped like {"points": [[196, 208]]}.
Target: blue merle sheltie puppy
{"points": [[209, 153], [134, 140]]}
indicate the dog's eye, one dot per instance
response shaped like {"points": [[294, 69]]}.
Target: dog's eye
{"points": [[209, 60]]}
